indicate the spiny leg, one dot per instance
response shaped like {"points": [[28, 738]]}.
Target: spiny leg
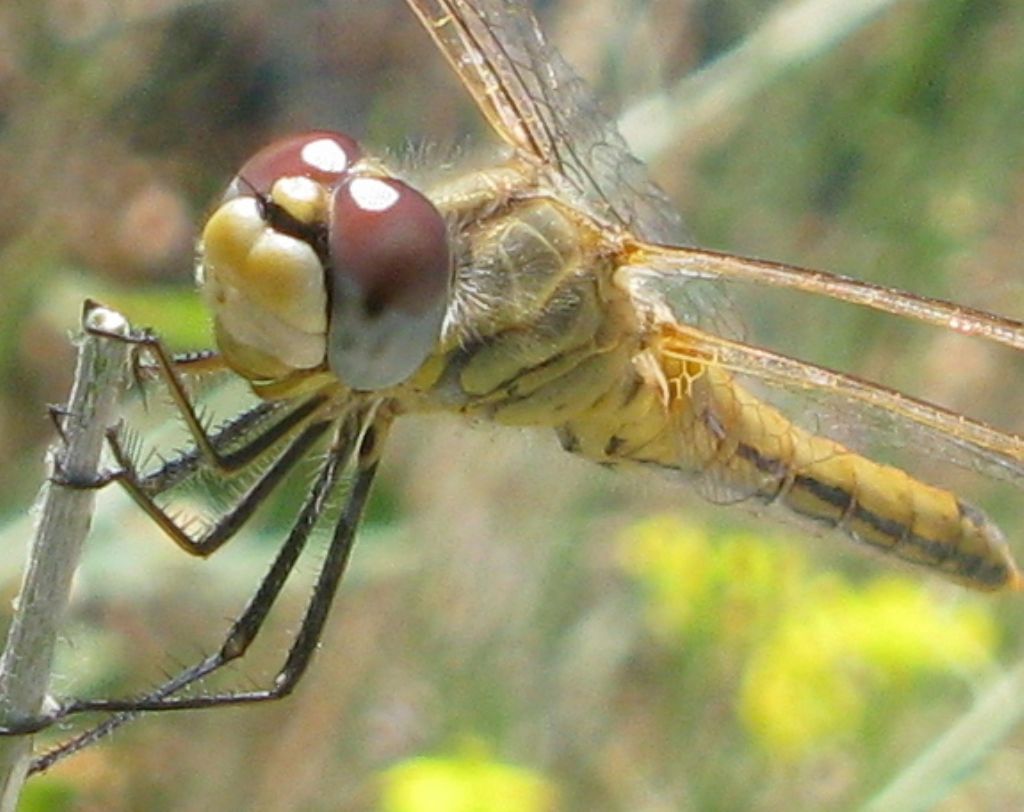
{"points": [[257, 444], [210, 447], [267, 592], [173, 471], [229, 523], [143, 489], [244, 631], [169, 369], [184, 463]]}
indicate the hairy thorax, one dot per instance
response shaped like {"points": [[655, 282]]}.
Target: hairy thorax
{"points": [[538, 330]]}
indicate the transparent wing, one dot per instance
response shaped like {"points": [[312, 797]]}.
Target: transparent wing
{"points": [[536, 103], [671, 267], [866, 409], [539, 106], [876, 412]]}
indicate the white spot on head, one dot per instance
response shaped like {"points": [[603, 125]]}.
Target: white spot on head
{"points": [[301, 197], [296, 188], [372, 194], [326, 155]]}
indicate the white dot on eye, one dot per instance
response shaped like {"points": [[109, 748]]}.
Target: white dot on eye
{"points": [[372, 194], [326, 155]]}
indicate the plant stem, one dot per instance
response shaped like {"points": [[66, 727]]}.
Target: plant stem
{"points": [[64, 516]]}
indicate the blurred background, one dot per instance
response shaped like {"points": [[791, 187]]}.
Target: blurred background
{"points": [[518, 627]]}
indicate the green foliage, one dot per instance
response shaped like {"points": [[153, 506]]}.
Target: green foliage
{"points": [[495, 597]]}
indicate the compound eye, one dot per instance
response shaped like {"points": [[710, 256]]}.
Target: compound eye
{"points": [[391, 242], [320, 155], [390, 269]]}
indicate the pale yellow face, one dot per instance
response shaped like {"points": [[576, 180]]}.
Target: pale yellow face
{"points": [[266, 289]]}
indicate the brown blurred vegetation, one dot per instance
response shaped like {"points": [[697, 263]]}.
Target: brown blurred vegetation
{"points": [[485, 599]]}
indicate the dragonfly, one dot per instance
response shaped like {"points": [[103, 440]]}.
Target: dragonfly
{"points": [[550, 290]]}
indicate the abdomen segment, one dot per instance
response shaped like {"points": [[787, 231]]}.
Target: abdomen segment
{"points": [[688, 415]]}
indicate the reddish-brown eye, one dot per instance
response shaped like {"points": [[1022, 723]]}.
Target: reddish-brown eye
{"points": [[391, 241], [320, 155], [390, 268]]}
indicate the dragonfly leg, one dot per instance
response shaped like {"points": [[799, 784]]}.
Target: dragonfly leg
{"points": [[227, 457], [258, 440], [227, 525], [170, 369], [62, 478], [245, 629]]}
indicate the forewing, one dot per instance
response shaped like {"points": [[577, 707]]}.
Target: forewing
{"points": [[673, 267], [539, 106]]}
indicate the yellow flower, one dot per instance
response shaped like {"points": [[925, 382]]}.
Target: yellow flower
{"points": [[673, 561], [901, 630], [727, 587], [820, 652], [800, 687], [469, 782], [811, 681], [757, 579]]}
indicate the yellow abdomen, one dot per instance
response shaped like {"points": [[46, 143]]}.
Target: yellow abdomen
{"points": [[689, 416]]}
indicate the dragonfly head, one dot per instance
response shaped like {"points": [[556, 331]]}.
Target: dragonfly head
{"points": [[316, 258]]}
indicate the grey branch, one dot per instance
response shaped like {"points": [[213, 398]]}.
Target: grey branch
{"points": [[64, 516]]}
